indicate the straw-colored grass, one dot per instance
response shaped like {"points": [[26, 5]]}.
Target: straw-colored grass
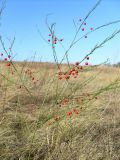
{"points": [[28, 129]]}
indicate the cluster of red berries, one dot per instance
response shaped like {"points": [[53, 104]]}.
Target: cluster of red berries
{"points": [[55, 118], [74, 72], [70, 73], [87, 58], [69, 113], [66, 100], [54, 39], [6, 59], [83, 29], [30, 74], [72, 111], [8, 64], [63, 102]]}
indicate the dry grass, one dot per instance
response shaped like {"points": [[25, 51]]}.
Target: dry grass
{"points": [[28, 130]]}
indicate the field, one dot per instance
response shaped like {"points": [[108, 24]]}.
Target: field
{"points": [[43, 117]]}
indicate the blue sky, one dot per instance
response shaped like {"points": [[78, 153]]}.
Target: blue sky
{"points": [[22, 18]]}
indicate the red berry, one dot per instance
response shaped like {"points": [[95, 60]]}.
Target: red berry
{"points": [[48, 40], [61, 40], [69, 113], [33, 78], [87, 58], [77, 63], [83, 29], [73, 69], [59, 77], [76, 112], [5, 59], [73, 73], [91, 29], [76, 72], [85, 23], [86, 63], [55, 41], [9, 56], [8, 65], [67, 76]]}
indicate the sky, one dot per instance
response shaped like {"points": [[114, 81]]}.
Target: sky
{"points": [[23, 18]]}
